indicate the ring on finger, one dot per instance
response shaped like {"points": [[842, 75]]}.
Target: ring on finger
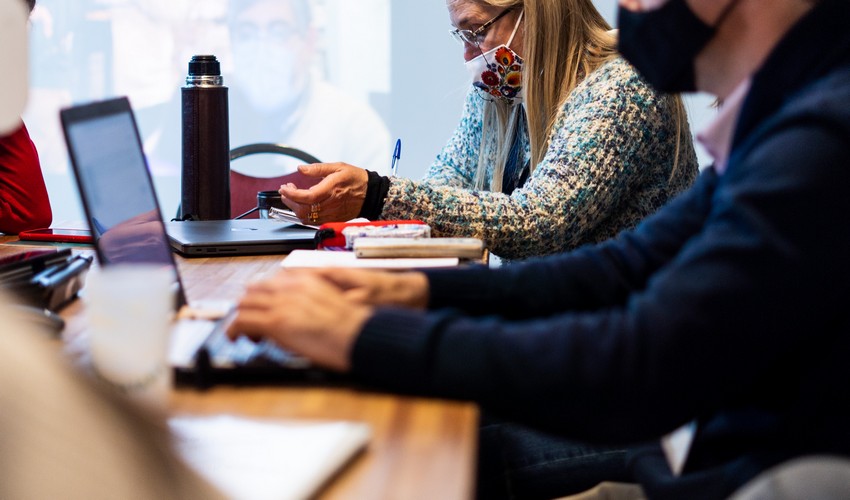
{"points": [[314, 212]]}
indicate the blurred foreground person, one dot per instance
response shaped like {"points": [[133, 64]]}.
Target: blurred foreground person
{"points": [[63, 435]]}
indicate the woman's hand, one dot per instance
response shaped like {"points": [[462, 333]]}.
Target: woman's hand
{"points": [[304, 313], [338, 197], [408, 289]]}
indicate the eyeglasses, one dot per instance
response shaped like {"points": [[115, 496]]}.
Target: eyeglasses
{"points": [[277, 31], [477, 36]]}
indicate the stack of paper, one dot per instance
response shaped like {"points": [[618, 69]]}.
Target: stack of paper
{"points": [[464, 248]]}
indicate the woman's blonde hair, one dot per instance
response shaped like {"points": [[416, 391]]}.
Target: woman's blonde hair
{"points": [[563, 41]]}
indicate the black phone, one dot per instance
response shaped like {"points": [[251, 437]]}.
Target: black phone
{"points": [[46, 279], [27, 264]]}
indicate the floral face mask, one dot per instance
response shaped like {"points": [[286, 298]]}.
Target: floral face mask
{"points": [[497, 73]]}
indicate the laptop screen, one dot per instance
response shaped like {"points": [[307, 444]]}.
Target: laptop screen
{"points": [[115, 185]]}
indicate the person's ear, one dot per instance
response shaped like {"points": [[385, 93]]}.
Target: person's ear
{"points": [[632, 5]]}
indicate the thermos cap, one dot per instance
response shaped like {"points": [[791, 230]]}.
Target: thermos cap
{"points": [[204, 71], [204, 66]]}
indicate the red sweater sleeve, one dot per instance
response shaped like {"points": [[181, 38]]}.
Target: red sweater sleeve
{"points": [[23, 196]]}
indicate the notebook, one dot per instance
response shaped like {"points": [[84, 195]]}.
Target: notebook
{"points": [[125, 220]]}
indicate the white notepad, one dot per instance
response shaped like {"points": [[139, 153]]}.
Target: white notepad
{"points": [[260, 459], [326, 258]]}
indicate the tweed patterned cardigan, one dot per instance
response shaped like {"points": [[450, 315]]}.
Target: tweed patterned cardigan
{"points": [[609, 164]]}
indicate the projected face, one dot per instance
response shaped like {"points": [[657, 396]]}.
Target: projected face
{"points": [[272, 54]]}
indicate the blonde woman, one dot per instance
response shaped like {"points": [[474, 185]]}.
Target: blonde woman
{"points": [[561, 143]]}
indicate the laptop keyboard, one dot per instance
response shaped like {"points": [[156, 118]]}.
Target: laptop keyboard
{"points": [[225, 353], [203, 356]]}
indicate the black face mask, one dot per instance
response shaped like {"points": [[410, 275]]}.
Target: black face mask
{"points": [[663, 43]]}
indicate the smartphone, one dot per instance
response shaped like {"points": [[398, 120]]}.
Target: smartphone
{"points": [[26, 264], [25, 258], [58, 234]]}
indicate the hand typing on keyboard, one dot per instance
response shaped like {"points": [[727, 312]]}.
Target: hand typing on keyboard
{"points": [[304, 313], [226, 353]]}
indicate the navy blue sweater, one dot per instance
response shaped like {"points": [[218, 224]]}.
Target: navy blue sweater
{"points": [[728, 306]]}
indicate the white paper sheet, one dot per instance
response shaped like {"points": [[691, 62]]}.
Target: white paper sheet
{"points": [[324, 258], [267, 459]]}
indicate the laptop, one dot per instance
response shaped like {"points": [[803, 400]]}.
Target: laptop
{"points": [[237, 237], [126, 223]]}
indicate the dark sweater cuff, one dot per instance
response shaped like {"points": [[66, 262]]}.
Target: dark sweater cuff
{"points": [[376, 192], [393, 351], [450, 287]]}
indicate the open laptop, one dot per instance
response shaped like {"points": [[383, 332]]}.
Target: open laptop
{"points": [[125, 220]]}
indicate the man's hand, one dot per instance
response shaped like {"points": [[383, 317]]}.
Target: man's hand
{"points": [[375, 288], [338, 197], [304, 313]]}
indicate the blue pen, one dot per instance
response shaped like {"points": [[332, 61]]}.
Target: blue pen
{"points": [[396, 157]]}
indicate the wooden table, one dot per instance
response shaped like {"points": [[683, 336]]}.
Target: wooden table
{"points": [[420, 448]]}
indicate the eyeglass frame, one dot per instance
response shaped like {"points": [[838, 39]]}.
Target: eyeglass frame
{"points": [[472, 37]]}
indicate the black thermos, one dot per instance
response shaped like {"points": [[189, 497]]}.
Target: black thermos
{"points": [[206, 143]]}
